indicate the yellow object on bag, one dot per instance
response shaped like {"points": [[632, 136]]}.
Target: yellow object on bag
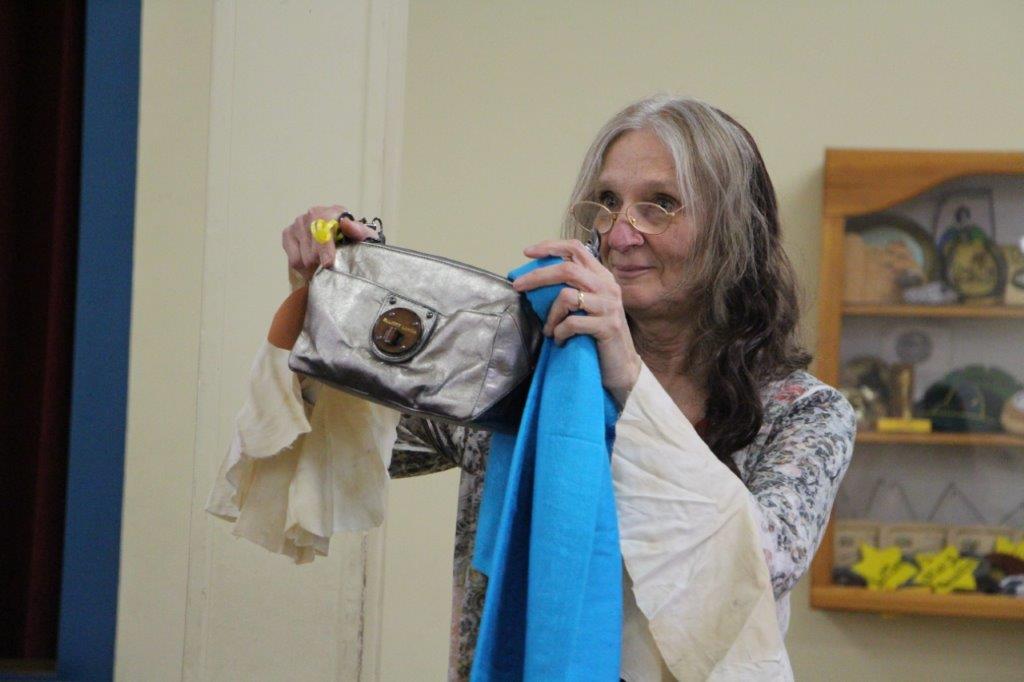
{"points": [[324, 231]]}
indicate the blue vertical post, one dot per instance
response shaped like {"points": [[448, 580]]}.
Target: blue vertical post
{"points": [[102, 322]]}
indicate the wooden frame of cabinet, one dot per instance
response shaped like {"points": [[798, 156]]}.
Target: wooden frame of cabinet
{"points": [[865, 181]]}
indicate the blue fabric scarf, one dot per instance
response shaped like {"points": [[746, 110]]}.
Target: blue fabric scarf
{"points": [[547, 533]]}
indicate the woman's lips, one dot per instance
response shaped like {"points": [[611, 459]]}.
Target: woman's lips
{"points": [[629, 271]]}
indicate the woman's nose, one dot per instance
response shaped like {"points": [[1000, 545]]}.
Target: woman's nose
{"points": [[623, 235]]}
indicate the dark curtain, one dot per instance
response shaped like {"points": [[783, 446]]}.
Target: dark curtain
{"points": [[41, 51]]}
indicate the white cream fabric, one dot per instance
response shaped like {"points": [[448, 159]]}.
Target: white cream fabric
{"points": [[701, 595], [301, 468], [697, 598]]}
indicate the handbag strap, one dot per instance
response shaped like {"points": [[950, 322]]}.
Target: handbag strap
{"points": [[375, 223], [593, 243]]}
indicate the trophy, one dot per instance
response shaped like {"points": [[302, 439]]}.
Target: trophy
{"points": [[912, 348]]}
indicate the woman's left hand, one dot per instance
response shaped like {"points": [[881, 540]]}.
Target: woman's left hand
{"points": [[602, 300]]}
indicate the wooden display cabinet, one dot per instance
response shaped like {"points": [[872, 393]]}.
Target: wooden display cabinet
{"points": [[860, 182]]}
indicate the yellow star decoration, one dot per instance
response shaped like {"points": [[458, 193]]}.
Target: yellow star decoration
{"points": [[883, 569], [946, 571], [1005, 545]]}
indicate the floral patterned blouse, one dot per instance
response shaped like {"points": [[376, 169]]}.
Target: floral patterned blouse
{"points": [[792, 470]]}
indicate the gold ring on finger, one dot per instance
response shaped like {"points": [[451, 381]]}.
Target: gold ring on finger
{"points": [[579, 300]]}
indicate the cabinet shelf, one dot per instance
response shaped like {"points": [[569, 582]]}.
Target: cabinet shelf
{"points": [[963, 311], [860, 183], [969, 605], [982, 440]]}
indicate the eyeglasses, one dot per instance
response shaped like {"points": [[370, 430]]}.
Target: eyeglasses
{"points": [[645, 216]]}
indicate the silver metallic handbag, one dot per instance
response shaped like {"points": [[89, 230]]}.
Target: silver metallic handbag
{"points": [[421, 334]]}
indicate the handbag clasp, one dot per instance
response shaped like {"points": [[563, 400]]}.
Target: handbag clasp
{"points": [[400, 329]]}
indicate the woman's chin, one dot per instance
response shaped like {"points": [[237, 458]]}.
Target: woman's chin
{"points": [[636, 299]]}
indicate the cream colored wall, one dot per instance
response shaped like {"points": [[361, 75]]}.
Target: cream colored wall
{"points": [[501, 101], [249, 113], [174, 113]]}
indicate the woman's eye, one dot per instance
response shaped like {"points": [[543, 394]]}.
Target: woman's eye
{"points": [[608, 200], [666, 202]]}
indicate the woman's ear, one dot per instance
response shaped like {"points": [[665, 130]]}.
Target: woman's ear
{"points": [[287, 324]]}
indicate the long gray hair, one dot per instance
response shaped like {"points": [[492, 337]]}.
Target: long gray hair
{"points": [[743, 300]]}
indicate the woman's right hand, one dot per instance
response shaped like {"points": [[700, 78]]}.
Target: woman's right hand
{"points": [[305, 255]]}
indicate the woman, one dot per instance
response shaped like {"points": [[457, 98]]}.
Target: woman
{"points": [[694, 310]]}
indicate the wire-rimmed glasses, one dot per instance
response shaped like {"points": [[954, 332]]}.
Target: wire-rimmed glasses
{"points": [[646, 216]]}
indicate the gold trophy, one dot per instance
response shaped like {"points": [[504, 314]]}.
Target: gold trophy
{"points": [[912, 348]]}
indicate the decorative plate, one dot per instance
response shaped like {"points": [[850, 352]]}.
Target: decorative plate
{"points": [[881, 229], [974, 265]]}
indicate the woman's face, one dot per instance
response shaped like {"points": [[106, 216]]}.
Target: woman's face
{"points": [[650, 269]]}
